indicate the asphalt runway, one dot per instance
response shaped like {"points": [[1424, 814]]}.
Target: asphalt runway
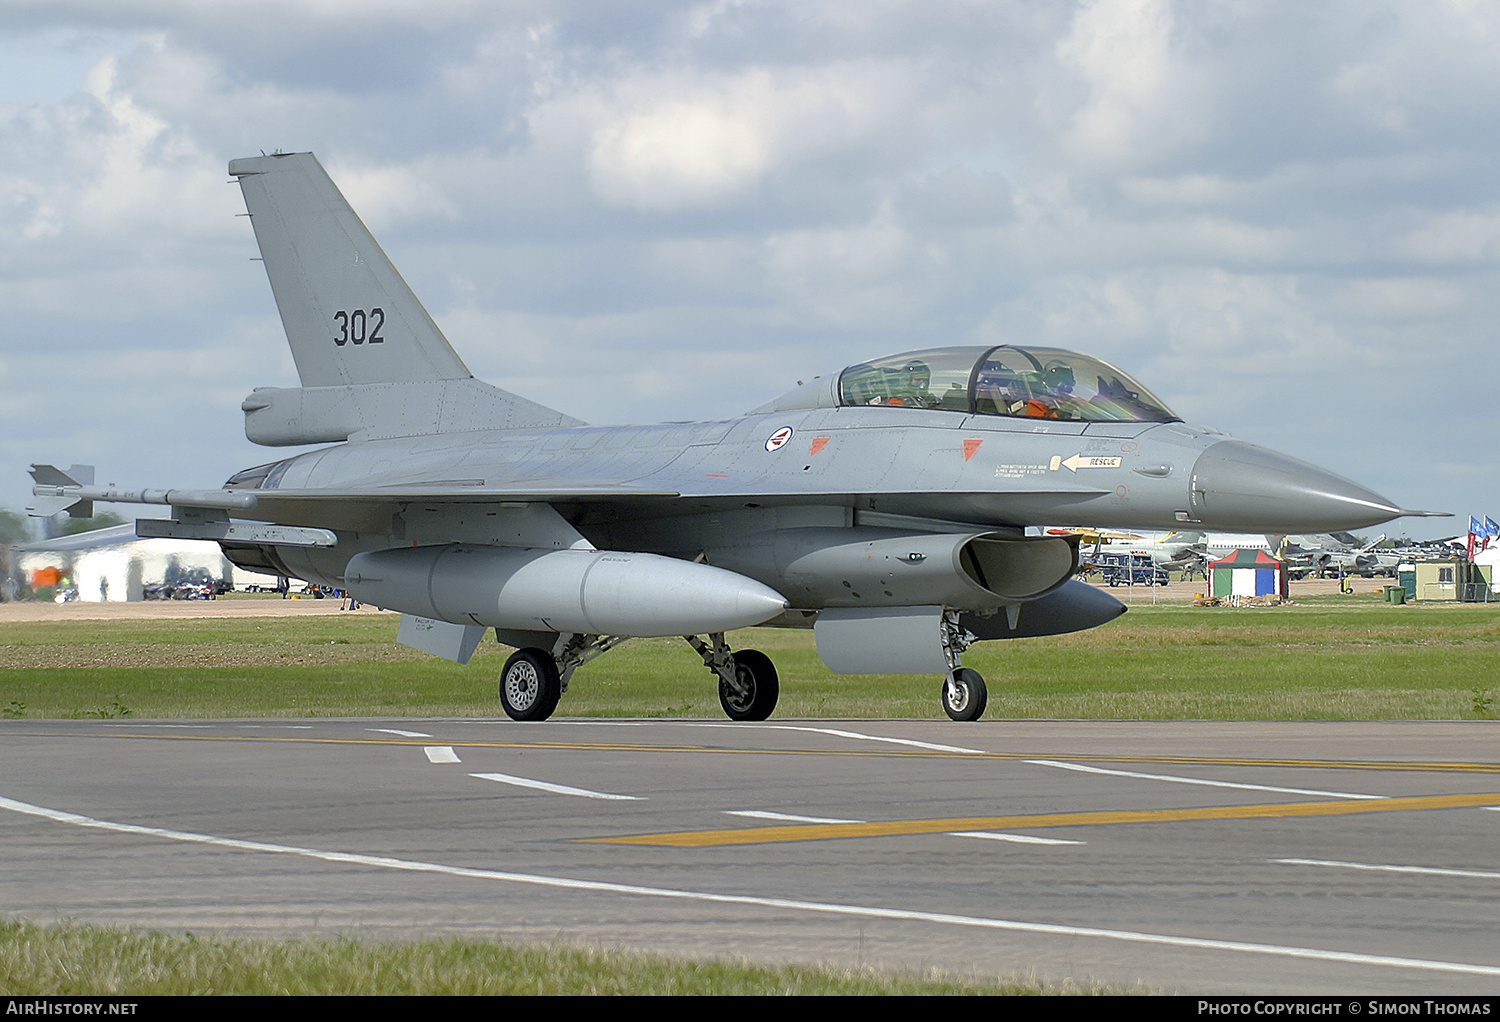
{"points": [[1354, 858]]}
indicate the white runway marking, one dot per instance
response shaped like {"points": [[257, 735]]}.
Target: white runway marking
{"points": [[398, 732], [762, 814], [1428, 870], [440, 754], [783, 727], [1020, 839], [835, 732], [1195, 780], [182, 727], [827, 908], [556, 789]]}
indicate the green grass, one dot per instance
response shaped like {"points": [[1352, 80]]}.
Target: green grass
{"points": [[73, 960], [1324, 658]]}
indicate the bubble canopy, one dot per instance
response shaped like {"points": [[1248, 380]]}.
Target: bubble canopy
{"points": [[1034, 383]]}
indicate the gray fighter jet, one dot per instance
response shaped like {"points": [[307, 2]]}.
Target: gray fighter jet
{"points": [[883, 506]]}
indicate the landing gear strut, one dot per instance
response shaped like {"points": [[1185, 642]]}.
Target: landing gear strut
{"points": [[964, 692], [748, 684]]}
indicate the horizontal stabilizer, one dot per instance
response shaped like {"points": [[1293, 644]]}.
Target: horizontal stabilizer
{"points": [[289, 417]]}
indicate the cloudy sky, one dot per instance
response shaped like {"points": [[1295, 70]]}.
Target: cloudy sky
{"points": [[1284, 218]]}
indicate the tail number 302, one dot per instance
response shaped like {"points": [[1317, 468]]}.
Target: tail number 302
{"points": [[357, 327]]}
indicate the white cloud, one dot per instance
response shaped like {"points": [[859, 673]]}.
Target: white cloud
{"points": [[1137, 91], [672, 141], [677, 210]]}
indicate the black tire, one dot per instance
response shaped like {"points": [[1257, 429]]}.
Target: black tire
{"points": [[759, 687], [530, 685], [965, 694]]}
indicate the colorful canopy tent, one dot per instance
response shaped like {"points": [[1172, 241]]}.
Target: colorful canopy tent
{"points": [[1248, 573]]}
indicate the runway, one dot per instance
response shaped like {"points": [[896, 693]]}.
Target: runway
{"points": [[1193, 857]]}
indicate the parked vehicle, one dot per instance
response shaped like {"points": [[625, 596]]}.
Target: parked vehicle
{"points": [[1129, 570]]}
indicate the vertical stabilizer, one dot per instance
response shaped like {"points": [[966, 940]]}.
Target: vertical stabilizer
{"points": [[372, 362], [349, 316]]}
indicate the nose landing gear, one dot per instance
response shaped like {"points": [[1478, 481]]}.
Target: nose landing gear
{"points": [[964, 692]]}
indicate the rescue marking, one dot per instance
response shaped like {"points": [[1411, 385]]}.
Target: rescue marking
{"points": [[1079, 461], [902, 828], [970, 446], [441, 754], [827, 908], [556, 789], [1195, 780], [1480, 874], [777, 440], [819, 442]]}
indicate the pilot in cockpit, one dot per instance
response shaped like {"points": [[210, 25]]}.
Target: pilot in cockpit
{"points": [[910, 386]]}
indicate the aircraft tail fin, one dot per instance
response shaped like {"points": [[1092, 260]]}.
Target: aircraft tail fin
{"points": [[354, 326]]}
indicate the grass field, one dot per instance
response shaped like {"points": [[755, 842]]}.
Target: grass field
{"points": [[75, 960], [1324, 658]]}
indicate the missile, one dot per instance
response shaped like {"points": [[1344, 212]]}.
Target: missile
{"points": [[593, 592]]}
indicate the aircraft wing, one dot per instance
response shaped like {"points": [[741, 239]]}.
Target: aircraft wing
{"points": [[366, 506]]}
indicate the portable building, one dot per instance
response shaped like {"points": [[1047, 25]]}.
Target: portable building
{"points": [[1248, 573]]}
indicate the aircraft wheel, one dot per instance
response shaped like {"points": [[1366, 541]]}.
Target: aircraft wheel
{"points": [[530, 685], [755, 695], [964, 694]]}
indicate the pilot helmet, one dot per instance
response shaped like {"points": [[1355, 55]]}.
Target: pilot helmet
{"points": [[917, 373], [1059, 376]]}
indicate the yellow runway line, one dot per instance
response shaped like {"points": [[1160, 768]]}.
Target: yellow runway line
{"points": [[894, 828]]}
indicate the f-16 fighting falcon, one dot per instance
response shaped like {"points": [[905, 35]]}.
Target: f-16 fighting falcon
{"points": [[884, 506]]}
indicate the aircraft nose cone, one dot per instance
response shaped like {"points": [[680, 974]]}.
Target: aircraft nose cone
{"points": [[1241, 487]]}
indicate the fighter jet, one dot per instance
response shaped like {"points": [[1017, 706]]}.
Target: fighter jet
{"points": [[1339, 554], [884, 506]]}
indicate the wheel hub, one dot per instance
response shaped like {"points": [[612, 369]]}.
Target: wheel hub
{"points": [[521, 686]]}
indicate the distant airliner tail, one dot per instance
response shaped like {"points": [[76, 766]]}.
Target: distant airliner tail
{"points": [[370, 358]]}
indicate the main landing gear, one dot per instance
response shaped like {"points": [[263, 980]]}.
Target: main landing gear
{"points": [[534, 679], [530, 685], [748, 683]]}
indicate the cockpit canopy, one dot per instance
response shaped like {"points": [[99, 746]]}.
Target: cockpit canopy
{"points": [[1037, 383]]}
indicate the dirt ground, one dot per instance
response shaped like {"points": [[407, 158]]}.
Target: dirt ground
{"points": [[1177, 592], [269, 606]]}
